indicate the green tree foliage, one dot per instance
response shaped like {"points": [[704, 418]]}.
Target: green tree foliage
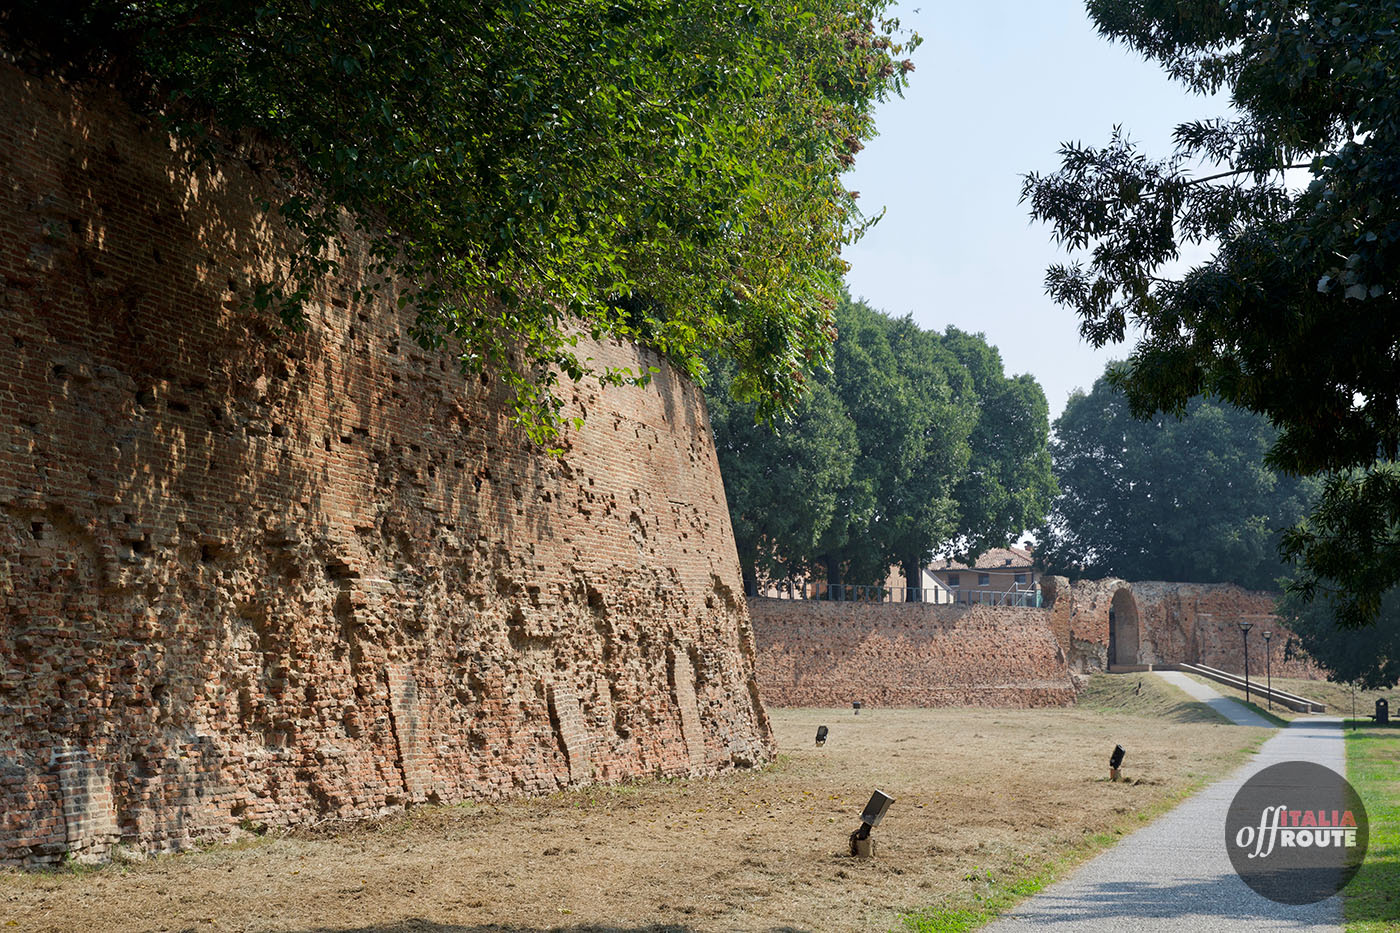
{"points": [[869, 475], [1368, 657], [810, 461], [1189, 499], [657, 170], [1295, 314], [1009, 484]]}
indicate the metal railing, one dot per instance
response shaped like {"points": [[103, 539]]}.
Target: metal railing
{"points": [[1028, 597]]}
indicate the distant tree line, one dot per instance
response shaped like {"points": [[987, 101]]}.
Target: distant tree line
{"points": [[1188, 499], [914, 443]]}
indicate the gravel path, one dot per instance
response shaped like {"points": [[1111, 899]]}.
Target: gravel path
{"points": [[1232, 710], [1175, 873]]}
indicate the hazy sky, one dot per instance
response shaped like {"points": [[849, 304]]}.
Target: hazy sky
{"points": [[999, 85]]}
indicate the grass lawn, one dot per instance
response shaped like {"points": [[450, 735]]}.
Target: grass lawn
{"points": [[990, 804], [1372, 900]]}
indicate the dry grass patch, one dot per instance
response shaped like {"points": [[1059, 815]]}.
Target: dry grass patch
{"points": [[984, 798]]}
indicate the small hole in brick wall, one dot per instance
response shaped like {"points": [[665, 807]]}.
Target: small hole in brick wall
{"points": [[140, 547], [159, 693], [76, 226], [485, 379], [179, 406], [145, 398], [156, 255], [279, 430], [59, 371], [37, 530]]}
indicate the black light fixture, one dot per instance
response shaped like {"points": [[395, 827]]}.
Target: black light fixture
{"points": [[1115, 763], [861, 843], [1269, 666], [1245, 626], [856, 706], [821, 735]]}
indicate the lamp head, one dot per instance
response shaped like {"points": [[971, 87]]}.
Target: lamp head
{"points": [[1268, 635], [1246, 626], [875, 809]]}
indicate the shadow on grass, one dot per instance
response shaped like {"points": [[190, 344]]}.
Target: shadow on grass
{"points": [[417, 925]]}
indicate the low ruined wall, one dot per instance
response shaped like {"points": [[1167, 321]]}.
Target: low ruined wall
{"points": [[818, 653], [256, 578], [1196, 623]]}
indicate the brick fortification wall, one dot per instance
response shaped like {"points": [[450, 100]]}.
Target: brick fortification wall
{"points": [[1172, 622], [249, 578], [816, 653]]}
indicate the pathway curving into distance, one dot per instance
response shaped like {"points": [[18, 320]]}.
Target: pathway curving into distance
{"points": [[1232, 710], [1175, 874]]}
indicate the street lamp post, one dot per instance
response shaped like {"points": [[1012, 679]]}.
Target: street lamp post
{"points": [[1269, 666], [1244, 634]]}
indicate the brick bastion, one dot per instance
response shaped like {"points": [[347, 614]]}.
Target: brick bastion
{"points": [[252, 578]]}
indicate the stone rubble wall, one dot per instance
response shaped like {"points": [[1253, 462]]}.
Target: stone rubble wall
{"points": [[251, 578]]}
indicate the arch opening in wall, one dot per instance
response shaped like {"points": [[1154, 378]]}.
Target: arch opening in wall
{"points": [[1123, 635]]}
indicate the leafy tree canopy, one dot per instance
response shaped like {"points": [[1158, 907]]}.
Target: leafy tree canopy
{"points": [[1370, 658], [1295, 314], [657, 170], [914, 443], [1189, 499]]}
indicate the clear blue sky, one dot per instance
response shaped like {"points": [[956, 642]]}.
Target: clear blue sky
{"points": [[998, 86]]}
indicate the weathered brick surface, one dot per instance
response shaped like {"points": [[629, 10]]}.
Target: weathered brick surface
{"points": [[1191, 622], [279, 578], [817, 653]]}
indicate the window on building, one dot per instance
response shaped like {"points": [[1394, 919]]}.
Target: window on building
{"points": [[1020, 578], [952, 579], [983, 579]]}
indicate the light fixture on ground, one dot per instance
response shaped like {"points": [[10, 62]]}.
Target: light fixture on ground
{"points": [[856, 706], [862, 846], [821, 735], [1269, 666], [1245, 626], [1115, 763]]}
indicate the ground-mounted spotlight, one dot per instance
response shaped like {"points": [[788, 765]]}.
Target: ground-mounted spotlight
{"points": [[1115, 763], [862, 846], [821, 735], [856, 706]]}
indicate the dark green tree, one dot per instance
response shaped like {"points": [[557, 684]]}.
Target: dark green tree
{"points": [[870, 474], [783, 484], [1188, 500], [1368, 657], [913, 408], [1295, 314], [658, 170], [1008, 485]]}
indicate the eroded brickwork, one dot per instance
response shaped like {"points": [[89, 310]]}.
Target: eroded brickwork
{"points": [[252, 578], [1173, 622], [818, 653]]}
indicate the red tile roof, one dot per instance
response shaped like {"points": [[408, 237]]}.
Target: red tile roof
{"points": [[998, 558]]}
